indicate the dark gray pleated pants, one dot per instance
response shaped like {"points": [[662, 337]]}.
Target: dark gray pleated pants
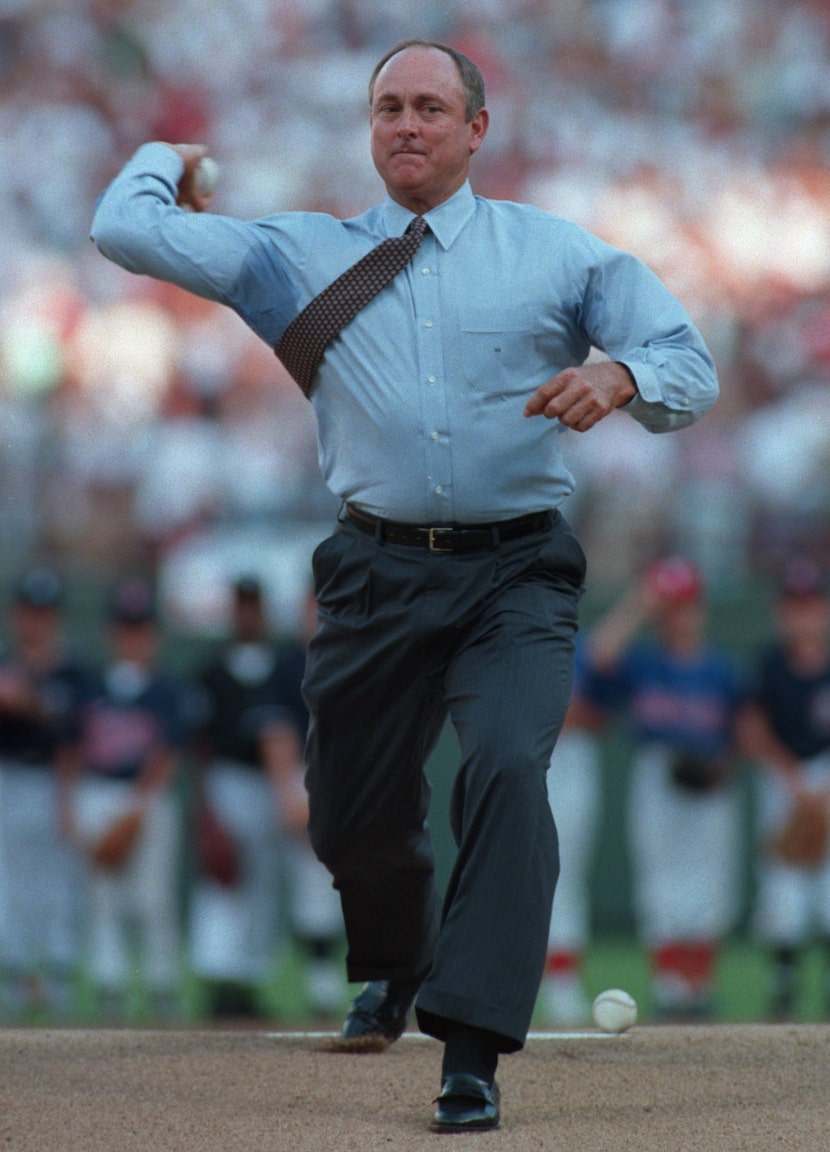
{"points": [[405, 638]]}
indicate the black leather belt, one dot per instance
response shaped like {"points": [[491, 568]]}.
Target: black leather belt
{"points": [[449, 537]]}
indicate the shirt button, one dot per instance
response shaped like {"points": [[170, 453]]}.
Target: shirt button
{"points": [[434, 435], [438, 489], [425, 271], [432, 378], [428, 324]]}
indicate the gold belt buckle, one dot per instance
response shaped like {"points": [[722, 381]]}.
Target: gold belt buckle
{"points": [[434, 534]]}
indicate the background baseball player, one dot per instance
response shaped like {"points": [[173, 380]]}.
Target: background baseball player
{"points": [[249, 747], [682, 696], [126, 814], [40, 687], [575, 795], [786, 730]]}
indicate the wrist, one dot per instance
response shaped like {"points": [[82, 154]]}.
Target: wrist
{"points": [[627, 389]]}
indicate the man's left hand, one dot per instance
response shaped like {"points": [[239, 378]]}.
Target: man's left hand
{"points": [[580, 397]]}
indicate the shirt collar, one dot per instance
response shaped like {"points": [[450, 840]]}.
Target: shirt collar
{"points": [[445, 221]]}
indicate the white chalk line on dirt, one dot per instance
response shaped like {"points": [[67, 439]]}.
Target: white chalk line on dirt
{"points": [[290, 1035]]}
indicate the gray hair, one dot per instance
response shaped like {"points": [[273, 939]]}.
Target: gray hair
{"points": [[472, 80]]}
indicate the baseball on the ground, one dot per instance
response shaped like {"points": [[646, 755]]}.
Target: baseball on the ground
{"points": [[614, 1010], [206, 176]]}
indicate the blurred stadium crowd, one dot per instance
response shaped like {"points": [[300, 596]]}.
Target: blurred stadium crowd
{"points": [[692, 132]]}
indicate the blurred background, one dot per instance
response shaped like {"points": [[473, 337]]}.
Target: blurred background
{"points": [[139, 426], [144, 430]]}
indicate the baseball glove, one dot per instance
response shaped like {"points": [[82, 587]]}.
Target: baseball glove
{"points": [[803, 838], [216, 848], [699, 773], [117, 841]]}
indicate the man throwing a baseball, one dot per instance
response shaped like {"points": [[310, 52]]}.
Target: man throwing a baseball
{"points": [[450, 585]]}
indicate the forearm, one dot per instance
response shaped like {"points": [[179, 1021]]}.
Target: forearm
{"points": [[69, 769], [282, 755], [638, 322], [758, 742], [156, 776], [669, 398], [138, 225], [614, 632]]}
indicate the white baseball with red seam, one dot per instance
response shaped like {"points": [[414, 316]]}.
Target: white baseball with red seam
{"points": [[206, 176], [614, 1010]]}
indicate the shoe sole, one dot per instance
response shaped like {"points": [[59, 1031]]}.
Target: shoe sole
{"points": [[358, 1044], [447, 1129]]}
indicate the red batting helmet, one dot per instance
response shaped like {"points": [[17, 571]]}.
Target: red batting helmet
{"points": [[675, 580]]}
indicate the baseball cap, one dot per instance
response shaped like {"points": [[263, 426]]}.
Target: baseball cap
{"points": [[39, 588], [133, 602], [675, 580], [801, 578]]}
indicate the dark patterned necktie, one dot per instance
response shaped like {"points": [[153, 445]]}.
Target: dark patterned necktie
{"points": [[306, 338]]}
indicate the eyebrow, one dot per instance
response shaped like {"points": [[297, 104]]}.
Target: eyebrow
{"points": [[421, 97]]}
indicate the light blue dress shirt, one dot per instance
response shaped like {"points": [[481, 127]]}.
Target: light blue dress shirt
{"points": [[419, 401]]}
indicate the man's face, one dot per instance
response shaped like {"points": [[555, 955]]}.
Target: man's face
{"points": [[421, 141], [249, 623], [804, 620], [134, 642], [34, 626]]}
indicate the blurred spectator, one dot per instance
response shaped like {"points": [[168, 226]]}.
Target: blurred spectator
{"points": [[40, 688], [721, 186], [124, 764], [787, 733]]}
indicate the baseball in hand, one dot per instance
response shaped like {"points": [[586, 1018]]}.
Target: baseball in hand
{"points": [[206, 176], [614, 1010]]}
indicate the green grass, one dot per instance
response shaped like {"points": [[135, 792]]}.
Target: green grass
{"points": [[744, 979], [743, 984]]}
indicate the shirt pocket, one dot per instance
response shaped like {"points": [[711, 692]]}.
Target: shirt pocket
{"points": [[498, 349]]}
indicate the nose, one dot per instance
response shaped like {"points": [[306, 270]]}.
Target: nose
{"points": [[407, 122]]}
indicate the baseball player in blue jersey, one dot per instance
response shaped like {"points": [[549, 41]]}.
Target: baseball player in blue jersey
{"points": [[682, 696]]}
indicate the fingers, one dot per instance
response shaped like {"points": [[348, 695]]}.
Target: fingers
{"points": [[190, 154], [571, 399], [580, 397], [538, 402], [189, 195]]}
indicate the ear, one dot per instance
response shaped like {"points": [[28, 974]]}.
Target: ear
{"points": [[478, 129]]}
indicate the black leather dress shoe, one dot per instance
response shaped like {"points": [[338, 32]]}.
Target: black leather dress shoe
{"points": [[466, 1104], [378, 1015]]}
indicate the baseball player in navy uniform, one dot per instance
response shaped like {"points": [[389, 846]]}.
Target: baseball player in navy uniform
{"points": [[125, 763], [250, 745], [682, 696], [40, 688], [787, 732]]}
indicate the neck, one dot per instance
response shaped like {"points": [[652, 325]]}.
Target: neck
{"points": [[420, 205]]}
